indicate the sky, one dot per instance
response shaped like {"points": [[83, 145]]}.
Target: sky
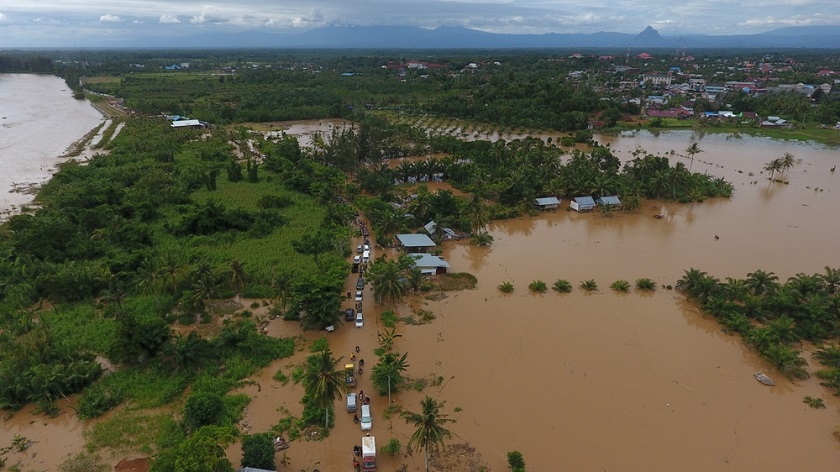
{"points": [[70, 23]]}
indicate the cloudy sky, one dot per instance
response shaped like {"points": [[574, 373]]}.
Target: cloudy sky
{"points": [[68, 23]]}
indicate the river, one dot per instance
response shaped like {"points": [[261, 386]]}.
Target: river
{"points": [[39, 121]]}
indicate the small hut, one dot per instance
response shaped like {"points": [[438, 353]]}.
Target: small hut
{"points": [[547, 203], [580, 204]]}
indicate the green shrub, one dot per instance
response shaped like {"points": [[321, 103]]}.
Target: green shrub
{"points": [[515, 461], [622, 286], [506, 287], [589, 285], [392, 447], [562, 286], [645, 284], [537, 286], [319, 345], [202, 409], [258, 451]]}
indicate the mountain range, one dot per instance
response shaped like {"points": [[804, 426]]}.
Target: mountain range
{"points": [[455, 37]]}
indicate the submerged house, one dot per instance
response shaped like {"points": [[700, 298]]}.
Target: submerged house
{"points": [[609, 200], [547, 203], [582, 204]]}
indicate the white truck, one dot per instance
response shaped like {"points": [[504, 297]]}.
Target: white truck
{"points": [[368, 453]]}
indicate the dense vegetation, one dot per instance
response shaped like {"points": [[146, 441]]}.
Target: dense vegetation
{"points": [[775, 318]]}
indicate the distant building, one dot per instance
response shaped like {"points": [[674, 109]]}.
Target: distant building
{"points": [[548, 203]]}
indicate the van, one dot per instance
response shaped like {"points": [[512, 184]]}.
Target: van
{"points": [[366, 257], [351, 402], [366, 420]]}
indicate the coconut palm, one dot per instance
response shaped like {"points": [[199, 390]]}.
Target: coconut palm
{"points": [[787, 162], [237, 276], [429, 432], [387, 374], [773, 166], [478, 215], [692, 150], [323, 381], [387, 280]]}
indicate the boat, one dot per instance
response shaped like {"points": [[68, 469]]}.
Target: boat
{"points": [[763, 378]]}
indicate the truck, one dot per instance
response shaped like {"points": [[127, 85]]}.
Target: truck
{"points": [[368, 453]]}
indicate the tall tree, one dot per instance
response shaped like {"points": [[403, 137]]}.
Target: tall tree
{"points": [[429, 432], [692, 150]]}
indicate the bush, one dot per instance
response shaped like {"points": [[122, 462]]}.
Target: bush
{"points": [[319, 345], [622, 286], [537, 286], [258, 451], [562, 286], [392, 448], [515, 461], [589, 285], [202, 409], [645, 284], [506, 287]]}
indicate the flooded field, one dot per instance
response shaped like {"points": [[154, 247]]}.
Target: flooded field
{"points": [[624, 382], [593, 382]]}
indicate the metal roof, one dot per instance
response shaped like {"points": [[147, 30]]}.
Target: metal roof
{"points": [[429, 260], [543, 201], [609, 200], [585, 201], [185, 123], [415, 240]]}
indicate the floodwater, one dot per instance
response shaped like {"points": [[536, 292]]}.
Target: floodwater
{"points": [[603, 381], [622, 382], [39, 121]]}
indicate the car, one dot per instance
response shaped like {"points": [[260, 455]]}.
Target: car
{"points": [[359, 249], [349, 314], [360, 284], [351, 402], [366, 421], [366, 247], [360, 320], [358, 295], [357, 260]]}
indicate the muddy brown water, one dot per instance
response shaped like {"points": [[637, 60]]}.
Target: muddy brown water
{"points": [[636, 382]]}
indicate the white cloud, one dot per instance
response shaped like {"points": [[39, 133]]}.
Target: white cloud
{"points": [[2, 17], [209, 15], [110, 19], [168, 19]]}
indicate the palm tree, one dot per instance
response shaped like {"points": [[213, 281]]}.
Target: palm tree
{"points": [[692, 150], [238, 277], [171, 265], [430, 433], [150, 277], [786, 162], [281, 286], [387, 280], [387, 374], [323, 381], [478, 215], [761, 282], [773, 166]]}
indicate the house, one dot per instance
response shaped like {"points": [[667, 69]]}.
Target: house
{"points": [[448, 233], [609, 200], [415, 243], [580, 204], [430, 264], [548, 203]]}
